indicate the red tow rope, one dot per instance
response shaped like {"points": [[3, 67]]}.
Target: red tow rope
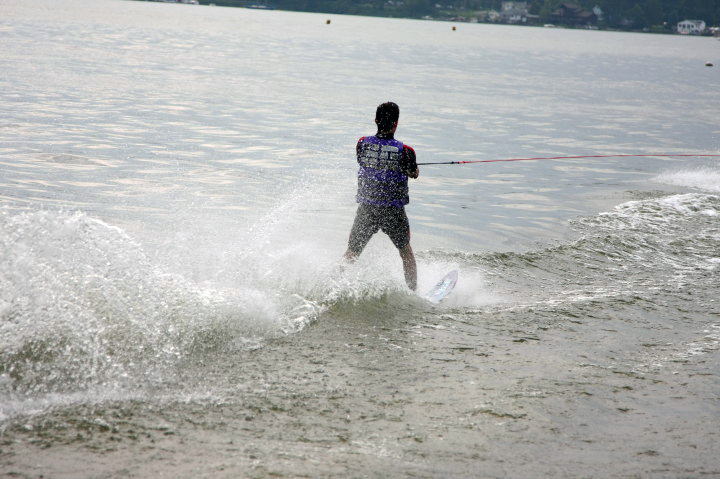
{"points": [[564, 158]]}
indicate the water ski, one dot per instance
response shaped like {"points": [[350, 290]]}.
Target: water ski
{"points": [[442, 288]]}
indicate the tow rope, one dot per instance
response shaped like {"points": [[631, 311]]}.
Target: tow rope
{"points": [[565, 158]]}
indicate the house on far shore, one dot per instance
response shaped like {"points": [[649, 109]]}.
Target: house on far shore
{"points": [[517, 12], [691, 27], [572, 15], [493, 16]]}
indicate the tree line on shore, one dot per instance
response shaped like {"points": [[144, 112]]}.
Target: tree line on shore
{"points": [[655, 15]]}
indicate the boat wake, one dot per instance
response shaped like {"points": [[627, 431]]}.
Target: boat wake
{"points": [[85, 312]]}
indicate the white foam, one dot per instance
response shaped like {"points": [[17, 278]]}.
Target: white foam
{"points": [[705, 179], [83, 306]]}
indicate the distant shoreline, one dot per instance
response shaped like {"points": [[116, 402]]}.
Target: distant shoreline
{"points": [[471, 16]]}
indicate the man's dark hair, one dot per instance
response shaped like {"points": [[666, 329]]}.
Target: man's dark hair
{"points": [[386, 115]]}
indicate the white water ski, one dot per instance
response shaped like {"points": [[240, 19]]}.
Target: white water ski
{"points": [[442, 288]]}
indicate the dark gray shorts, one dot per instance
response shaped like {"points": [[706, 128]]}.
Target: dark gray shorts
{"points": [[371, 219]]}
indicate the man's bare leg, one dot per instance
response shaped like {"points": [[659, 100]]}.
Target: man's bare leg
{"points": [[409, 266], [350, 256]]}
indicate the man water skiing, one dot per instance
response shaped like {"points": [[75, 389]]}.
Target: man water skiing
{"points": [[385, 166]]}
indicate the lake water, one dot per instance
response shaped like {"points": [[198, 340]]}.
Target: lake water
{"points": [[177, 186]]}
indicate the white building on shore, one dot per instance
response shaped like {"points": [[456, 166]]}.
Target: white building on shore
{"points": [[691, 27]]}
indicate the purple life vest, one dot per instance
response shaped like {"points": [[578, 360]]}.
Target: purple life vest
{"points": [[382, 178]]}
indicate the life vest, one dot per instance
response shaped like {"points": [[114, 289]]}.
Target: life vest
{"points": [[382, 179]]}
